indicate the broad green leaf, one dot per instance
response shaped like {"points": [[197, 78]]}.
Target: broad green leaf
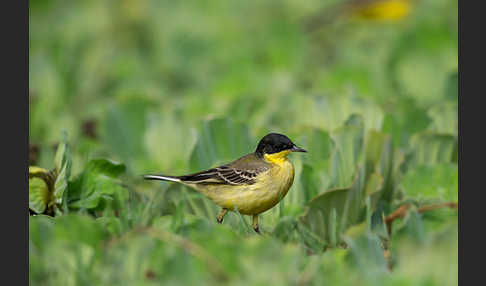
{"points": [[366, 250], [220, 141], [97, 180], [315, 168], [39, 195], [356, 230], [374, 184], [318, 143], [112, 224], [404, 119], [412, 227], [330, 214], [311, 183], [376, 221], [331, 112], [382, 164], [105, 166], [427, 182], [347, 144], [444, 118], [377, 150], [285, 228], [439, 223], [431, 148]]}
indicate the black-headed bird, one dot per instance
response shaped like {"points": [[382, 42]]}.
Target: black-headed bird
{"points": [[251, 184]]}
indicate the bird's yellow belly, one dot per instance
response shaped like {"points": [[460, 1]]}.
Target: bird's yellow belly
{"points": [[270, 187]]}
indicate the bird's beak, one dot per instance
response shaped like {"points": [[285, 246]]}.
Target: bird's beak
{"points": [[297, 149]]}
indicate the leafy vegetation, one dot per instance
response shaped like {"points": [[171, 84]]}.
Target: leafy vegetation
{"points": [[120, 89]]}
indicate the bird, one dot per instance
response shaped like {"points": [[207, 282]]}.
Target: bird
{"points": [[251, 184]]}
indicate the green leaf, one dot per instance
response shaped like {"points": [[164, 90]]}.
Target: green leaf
{"points": [[317, 142], [60, 157], [347, 144], [378, 151], [404, 119], [97, 180], [63, 163], [430, 148], [412, 227], [356, 230], [329, 214], [444, 118], [382, 164], [331, 112], [60, 185], [220, 140], [105, 166], [366, 251], [377, 224], [285, 228], [311, 182], [39, 195], [112, 224], [315, 169], [426, 182], [374, 184]]}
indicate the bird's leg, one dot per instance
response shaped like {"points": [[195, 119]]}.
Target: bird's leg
{"points": [[221, 215], [255, 224]]}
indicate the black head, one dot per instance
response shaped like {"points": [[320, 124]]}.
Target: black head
{"points": [[275, 143]]}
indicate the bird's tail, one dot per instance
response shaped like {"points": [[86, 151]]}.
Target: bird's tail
{"points": [[162, 178]]}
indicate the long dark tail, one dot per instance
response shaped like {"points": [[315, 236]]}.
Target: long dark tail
{"points": [[162, 178]]}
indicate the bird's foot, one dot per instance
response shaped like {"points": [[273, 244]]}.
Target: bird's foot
{"points": [[257, 229], [221, 215], [255, 224]]}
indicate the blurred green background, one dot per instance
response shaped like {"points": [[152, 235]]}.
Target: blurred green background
{"points": [[369, 88]]}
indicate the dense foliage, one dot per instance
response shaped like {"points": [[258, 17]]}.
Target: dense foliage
{"points": [[123, 88]]}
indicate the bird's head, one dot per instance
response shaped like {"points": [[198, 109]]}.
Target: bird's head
{"points": [[274, 146]]}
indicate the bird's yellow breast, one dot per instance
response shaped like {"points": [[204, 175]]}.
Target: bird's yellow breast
{"points": [[269, 188]]}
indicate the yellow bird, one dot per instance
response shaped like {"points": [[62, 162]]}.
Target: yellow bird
{"points": [[251, 184]]}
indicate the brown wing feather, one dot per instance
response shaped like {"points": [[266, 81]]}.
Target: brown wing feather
{"points": [[240, 172]]}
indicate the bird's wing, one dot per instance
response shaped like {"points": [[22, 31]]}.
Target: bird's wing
{"points": [[240, 172]]}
